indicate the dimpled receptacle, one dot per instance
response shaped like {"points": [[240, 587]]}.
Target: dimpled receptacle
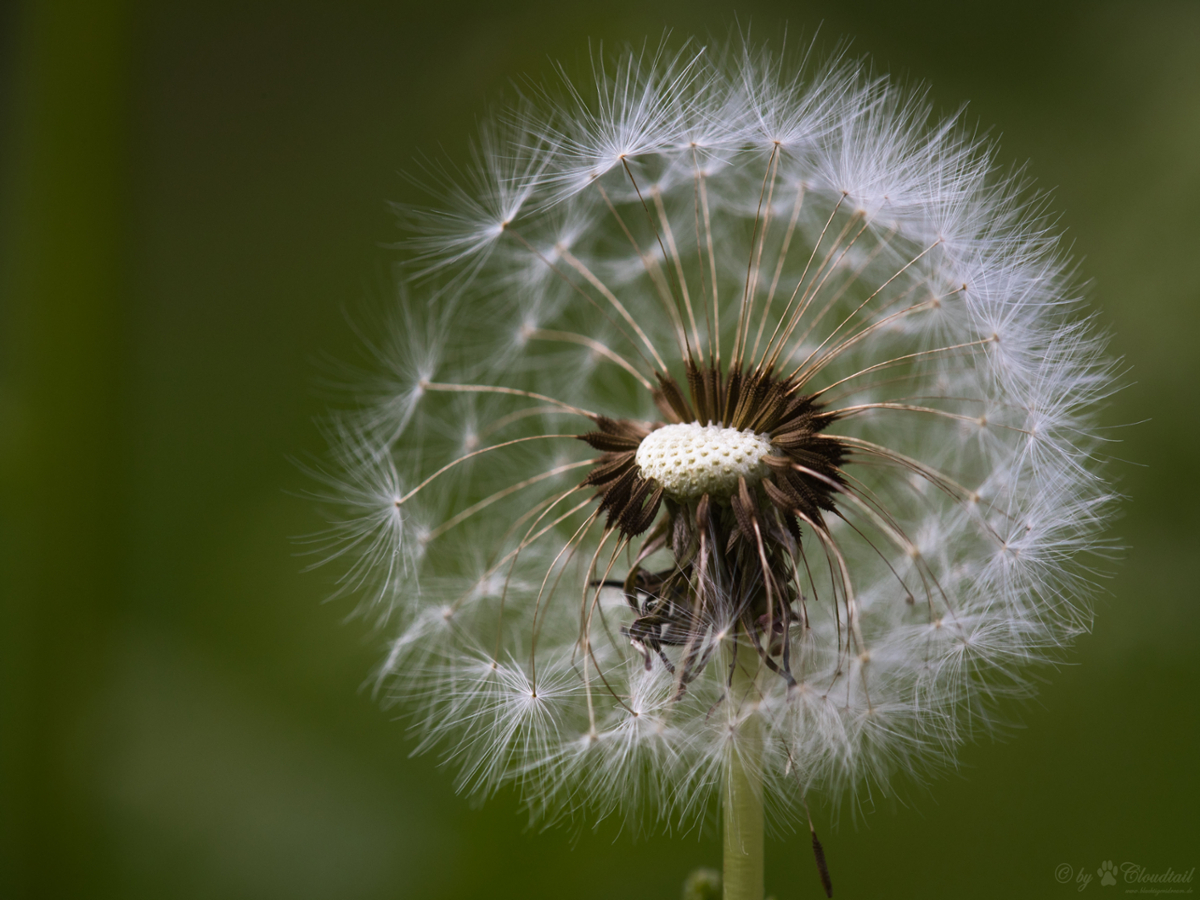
{"points": [[690, 460]]}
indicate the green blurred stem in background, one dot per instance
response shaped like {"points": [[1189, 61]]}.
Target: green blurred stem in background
{"points": [[743, 799], [62, 459]]}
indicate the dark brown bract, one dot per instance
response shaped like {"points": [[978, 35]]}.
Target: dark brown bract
{"points": [[734, 556]]}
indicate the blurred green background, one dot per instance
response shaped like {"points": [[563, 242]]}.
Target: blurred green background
{"points": [[192, 199]]}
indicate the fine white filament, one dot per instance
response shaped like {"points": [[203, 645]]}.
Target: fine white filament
{"points": [[737, 207]]}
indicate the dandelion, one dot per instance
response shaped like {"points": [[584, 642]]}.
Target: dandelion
{"points": [[738, 448]]}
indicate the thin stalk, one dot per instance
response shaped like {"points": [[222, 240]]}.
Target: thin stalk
{"points": [[743, 798]]}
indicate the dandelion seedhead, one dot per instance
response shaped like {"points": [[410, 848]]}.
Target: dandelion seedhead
{"points": [[741, 442]]}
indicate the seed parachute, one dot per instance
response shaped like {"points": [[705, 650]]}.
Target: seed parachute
{"points": [[735, 441]]}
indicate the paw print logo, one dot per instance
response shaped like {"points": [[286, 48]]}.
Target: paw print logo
{"points": [[1107, 873]]}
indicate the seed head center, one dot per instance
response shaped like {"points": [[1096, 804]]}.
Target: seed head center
{"points": [[692, 459]]}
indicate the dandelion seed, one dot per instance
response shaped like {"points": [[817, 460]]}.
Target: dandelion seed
{"points": [[777, 467]]}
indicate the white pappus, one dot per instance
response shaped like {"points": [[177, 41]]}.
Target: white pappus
{"points": [[879, 500]]}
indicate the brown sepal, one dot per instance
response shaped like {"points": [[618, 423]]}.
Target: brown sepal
{"points": [[637, 518], [745, 511], [670, 399]]}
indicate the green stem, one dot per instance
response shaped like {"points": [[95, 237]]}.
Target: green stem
{"points": [[743, 799]]}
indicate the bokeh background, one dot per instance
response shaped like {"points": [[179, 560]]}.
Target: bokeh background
{"points": [[192, 205]]}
